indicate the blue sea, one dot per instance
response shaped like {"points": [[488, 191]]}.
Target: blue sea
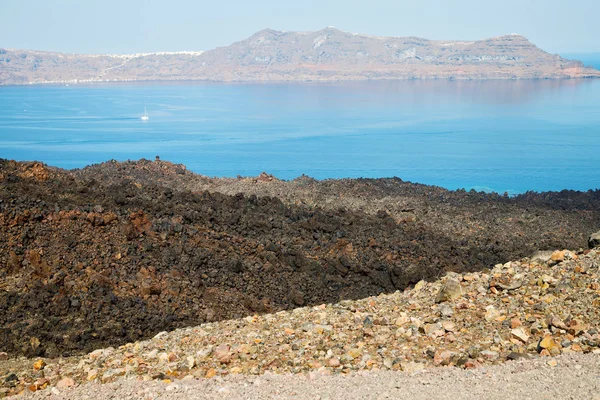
{"points": [[502, 136], [588, 59]]}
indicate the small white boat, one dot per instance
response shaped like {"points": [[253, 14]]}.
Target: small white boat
{"points": [[145, 117]]}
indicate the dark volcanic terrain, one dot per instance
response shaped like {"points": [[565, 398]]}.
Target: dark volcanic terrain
{"points": [[325, 55], [117, 252]]}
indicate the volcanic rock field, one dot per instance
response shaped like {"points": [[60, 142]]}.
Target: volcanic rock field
{"points": [[117, 252]]}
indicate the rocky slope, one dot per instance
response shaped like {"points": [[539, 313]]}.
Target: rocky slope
{"points": [[118, 252], [545, 306], [325, 55]]}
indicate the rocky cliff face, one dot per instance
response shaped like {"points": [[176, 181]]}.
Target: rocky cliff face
{"points": [[325, 55]]}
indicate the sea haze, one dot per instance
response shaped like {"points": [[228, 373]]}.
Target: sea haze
{"points": [[502, 136]]}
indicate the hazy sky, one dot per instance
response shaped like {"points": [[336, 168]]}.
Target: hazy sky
{"points": [[127, 26]]}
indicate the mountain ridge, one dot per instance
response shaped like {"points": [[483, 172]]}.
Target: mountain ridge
{"points": [[328, 54]]}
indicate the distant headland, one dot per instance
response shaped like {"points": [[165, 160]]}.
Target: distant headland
{"points": [[325, 55]]}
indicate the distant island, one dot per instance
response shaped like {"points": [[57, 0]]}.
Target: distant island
{"points": [[325, 55]]}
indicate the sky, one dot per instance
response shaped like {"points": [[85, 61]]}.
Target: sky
{"points": [[132, 26]]}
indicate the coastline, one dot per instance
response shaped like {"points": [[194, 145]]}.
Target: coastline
{"points": [[91, 82], [325, 55]]}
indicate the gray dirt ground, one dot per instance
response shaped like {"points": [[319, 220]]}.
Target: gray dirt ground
{"points": [[575, 376]]}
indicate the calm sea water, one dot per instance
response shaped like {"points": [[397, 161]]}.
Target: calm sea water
{"points": [[498, 135], [588, 59]]}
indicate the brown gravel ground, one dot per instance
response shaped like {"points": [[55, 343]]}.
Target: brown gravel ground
{"points": [[576, 376]]}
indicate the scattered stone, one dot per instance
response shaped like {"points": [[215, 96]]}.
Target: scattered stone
{"points": [[210, 373], [433, 329], [594, 240], [549, 344], [203, 354], [39, 365], [354, 353], [402, 320], [490, 355], [96, 354], [92, 374], [388, 363], [520, 334], [472, 364], [516, 356], [443, 358], [558, 255], [449, 326], [190, 362], [110, 374], [491, 313], [446, 311], [450, 290], [65, 383], [334, 362], [541, 257], [223, 354], [412, 367]]}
